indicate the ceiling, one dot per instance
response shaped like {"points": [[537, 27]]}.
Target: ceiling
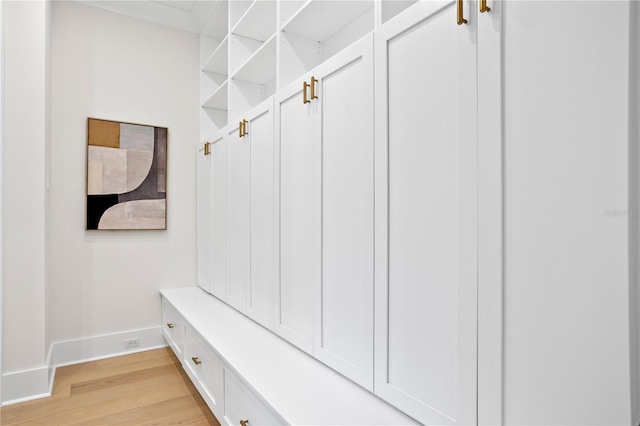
{"points": [[186, 15]]}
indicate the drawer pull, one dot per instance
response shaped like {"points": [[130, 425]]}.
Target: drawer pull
{"points": [[170, 325], [195, 360], [244, 422]]}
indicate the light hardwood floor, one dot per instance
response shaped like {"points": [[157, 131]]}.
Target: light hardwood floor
{"points": [[147, 388]]}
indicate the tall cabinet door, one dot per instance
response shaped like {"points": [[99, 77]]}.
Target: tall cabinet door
{"points": [[344, 129], [203, 164], [299, 173], [219, 216], [239, 218], [426, 213], [261, 283]]}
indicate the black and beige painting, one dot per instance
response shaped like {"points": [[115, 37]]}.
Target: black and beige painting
{"points": [[126, 175]]}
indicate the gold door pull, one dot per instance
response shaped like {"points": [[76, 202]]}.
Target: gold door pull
{"points": [[244, 422], [305, 86], [195, 360], [483, 6], [170, 325], [240, 128], [207, 151], [461, 19], [313, 88], [244, 128]]}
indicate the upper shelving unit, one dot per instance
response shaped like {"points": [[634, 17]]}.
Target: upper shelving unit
{"points": [[251, 48]]}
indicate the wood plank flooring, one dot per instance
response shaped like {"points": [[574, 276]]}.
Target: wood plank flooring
{"points": [[147, 388]]}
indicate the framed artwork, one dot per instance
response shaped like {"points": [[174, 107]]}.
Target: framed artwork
{"points": [[126, 176]]}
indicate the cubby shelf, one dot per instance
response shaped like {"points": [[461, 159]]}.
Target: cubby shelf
{"points": [[261, 66], [258, 22], [319, 20], [218, 24], [219, 98], [218, 62]]}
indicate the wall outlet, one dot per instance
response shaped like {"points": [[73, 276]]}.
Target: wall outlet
{"points": [[131, 343]]}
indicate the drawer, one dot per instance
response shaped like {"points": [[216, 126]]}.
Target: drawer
{"points": [[241, 404], [204, 366], [173, 328]]}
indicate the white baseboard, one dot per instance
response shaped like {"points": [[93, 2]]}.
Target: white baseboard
{"points": [[26, 385]]}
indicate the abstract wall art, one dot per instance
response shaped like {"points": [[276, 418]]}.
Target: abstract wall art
{"points": [[126, 176]]}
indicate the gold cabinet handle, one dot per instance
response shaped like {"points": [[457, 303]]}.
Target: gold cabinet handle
{"points": [[244, 128], [313, 88], [305, 86], [483, 6], [244, 422], [195, 360], [240, 128], [170, 325], [461, 19], [207, 150]]}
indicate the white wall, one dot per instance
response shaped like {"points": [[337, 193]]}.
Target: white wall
{"points": [[110, 66], [567, 334], [24, 198]]}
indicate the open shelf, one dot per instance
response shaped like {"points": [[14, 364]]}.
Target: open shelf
{"points": [[218, 99], [218, 62], [261, 66], [319, 19], [259, 21], [217, 25], [237, 9], [289, 8]]}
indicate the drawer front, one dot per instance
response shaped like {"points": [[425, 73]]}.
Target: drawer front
{"points": [[173, 328], [205, 366], [242, 405]]}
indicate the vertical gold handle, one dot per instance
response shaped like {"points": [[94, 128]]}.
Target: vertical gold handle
{"points": [[305, 86], [244, 422], [244, 128], [313, 88], [170, 325], [207, 151], [195, 360], [483, 6], [240, 128], [461, 19]]}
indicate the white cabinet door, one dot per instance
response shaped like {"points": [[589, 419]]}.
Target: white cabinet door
{"points": [[299, 159], [239, 218], [261, 283], [219, 216], [344, 129], [203, 165], [426, 213]]}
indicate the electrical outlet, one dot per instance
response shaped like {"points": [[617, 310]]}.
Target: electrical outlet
{"points": [[131, 343]]}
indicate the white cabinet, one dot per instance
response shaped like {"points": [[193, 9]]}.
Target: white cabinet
{"points": [[252, 215], [263, 214], [239, 218], [173, 328], [343, 130], [242, 406], [203, 212], [205, 369], [325, 292], [299, 224], [219, 216], [426, 214]]}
